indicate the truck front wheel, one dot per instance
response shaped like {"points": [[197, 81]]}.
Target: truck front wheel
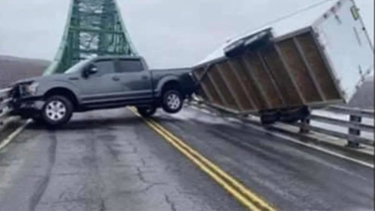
{"points": [[172, 101], [57, 111]]}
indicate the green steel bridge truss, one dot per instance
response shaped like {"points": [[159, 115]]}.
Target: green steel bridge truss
{"points": [[93, 28]]}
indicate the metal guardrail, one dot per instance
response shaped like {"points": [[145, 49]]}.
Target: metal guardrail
{"points": [[4, 105], [353, 123]]}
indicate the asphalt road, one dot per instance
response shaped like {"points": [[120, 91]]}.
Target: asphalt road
{"points": [[111, 160], [288, 175], [103, 161]]}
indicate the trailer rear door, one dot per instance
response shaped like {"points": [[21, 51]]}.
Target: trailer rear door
{"points": [[345, 41]]}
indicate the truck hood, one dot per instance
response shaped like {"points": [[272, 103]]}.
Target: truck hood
{"points": [[43, 78]]}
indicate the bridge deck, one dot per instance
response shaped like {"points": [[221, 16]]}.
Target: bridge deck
{"points": [[111, 160]]}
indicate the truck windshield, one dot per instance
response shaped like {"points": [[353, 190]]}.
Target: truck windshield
{"points": [[77, 67]]}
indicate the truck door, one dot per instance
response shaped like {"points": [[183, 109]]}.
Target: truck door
{"points": [[103, 86], [135, 79]]}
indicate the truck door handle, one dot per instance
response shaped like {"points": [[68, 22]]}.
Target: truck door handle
{"points": [[144, 77], [74, 78], [115, 78]]}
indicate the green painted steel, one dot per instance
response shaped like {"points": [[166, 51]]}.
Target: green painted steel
{"points": [[93, 28]]}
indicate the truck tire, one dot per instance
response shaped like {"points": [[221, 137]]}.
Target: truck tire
{"points": [[146, 111], [57, 110], [172, 101]]}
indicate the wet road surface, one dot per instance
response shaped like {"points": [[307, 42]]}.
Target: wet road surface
{"points": [[111, 160], [103, 161], [286, 174]]}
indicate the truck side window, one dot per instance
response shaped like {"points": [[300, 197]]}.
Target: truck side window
{"points": [[104, 67], [131, 65]]}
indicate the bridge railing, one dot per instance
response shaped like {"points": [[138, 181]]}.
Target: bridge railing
{"points": [[352, 124], [4, 105], [356, 126]]}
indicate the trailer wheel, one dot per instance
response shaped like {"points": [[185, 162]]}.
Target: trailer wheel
{"points": [[269, 119], [293, 116]]}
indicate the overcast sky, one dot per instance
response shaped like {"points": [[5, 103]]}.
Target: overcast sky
{"points": [[167, 32]]}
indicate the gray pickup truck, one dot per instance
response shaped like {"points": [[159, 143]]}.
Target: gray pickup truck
{"points": [[101, 83]]}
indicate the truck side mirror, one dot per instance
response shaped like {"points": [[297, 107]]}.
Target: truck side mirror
{"points": [[90, 70]]}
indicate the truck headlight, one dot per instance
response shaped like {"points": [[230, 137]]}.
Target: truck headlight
{"points": [[32, 88]]}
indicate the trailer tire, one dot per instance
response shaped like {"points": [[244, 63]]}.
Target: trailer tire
{"points": [[269, 119], [299, 114]]}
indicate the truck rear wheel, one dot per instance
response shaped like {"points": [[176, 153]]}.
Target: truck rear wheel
{"points": [[57, 110], [146, 111], [172, 101]]}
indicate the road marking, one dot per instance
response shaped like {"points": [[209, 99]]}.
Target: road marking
{"points": [[230, 184], [10, 138], [287, 138]]}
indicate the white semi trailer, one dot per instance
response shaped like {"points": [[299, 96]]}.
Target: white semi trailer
{"points": [[309, 60]]}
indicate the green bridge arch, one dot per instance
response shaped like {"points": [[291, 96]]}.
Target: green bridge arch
{"points": [[93, 28]]}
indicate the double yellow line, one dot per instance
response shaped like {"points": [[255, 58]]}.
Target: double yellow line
{"points": [[230, 184]]}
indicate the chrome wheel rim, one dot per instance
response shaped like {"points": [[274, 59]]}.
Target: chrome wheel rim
{"points": [[173, 101], [55, 110]]}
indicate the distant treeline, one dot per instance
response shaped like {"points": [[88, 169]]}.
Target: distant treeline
{"points": [[14, 68]]}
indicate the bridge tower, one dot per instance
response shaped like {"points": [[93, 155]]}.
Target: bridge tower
{"points": [[93, 28]]}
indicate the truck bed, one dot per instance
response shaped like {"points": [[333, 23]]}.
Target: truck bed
{"points": [[181, 75]]}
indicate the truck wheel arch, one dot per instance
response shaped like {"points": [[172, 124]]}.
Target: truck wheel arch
{"points": [[172, 84], [64, 92], [161, 84]]}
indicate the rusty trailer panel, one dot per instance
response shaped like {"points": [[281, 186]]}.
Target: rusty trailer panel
{"points": [[285, 72]]}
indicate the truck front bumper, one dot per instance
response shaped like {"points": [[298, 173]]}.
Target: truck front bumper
{"points": [[27, 106]]}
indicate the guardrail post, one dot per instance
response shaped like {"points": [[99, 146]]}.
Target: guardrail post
{"points": [[1, 112], [352, 131], [304, 126]]}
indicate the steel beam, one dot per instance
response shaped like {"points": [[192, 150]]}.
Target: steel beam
{"points": [[93, 28], [309, 69], [230, 89], [271, 77], [243, 86], [248, 69], [287, 68]]}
